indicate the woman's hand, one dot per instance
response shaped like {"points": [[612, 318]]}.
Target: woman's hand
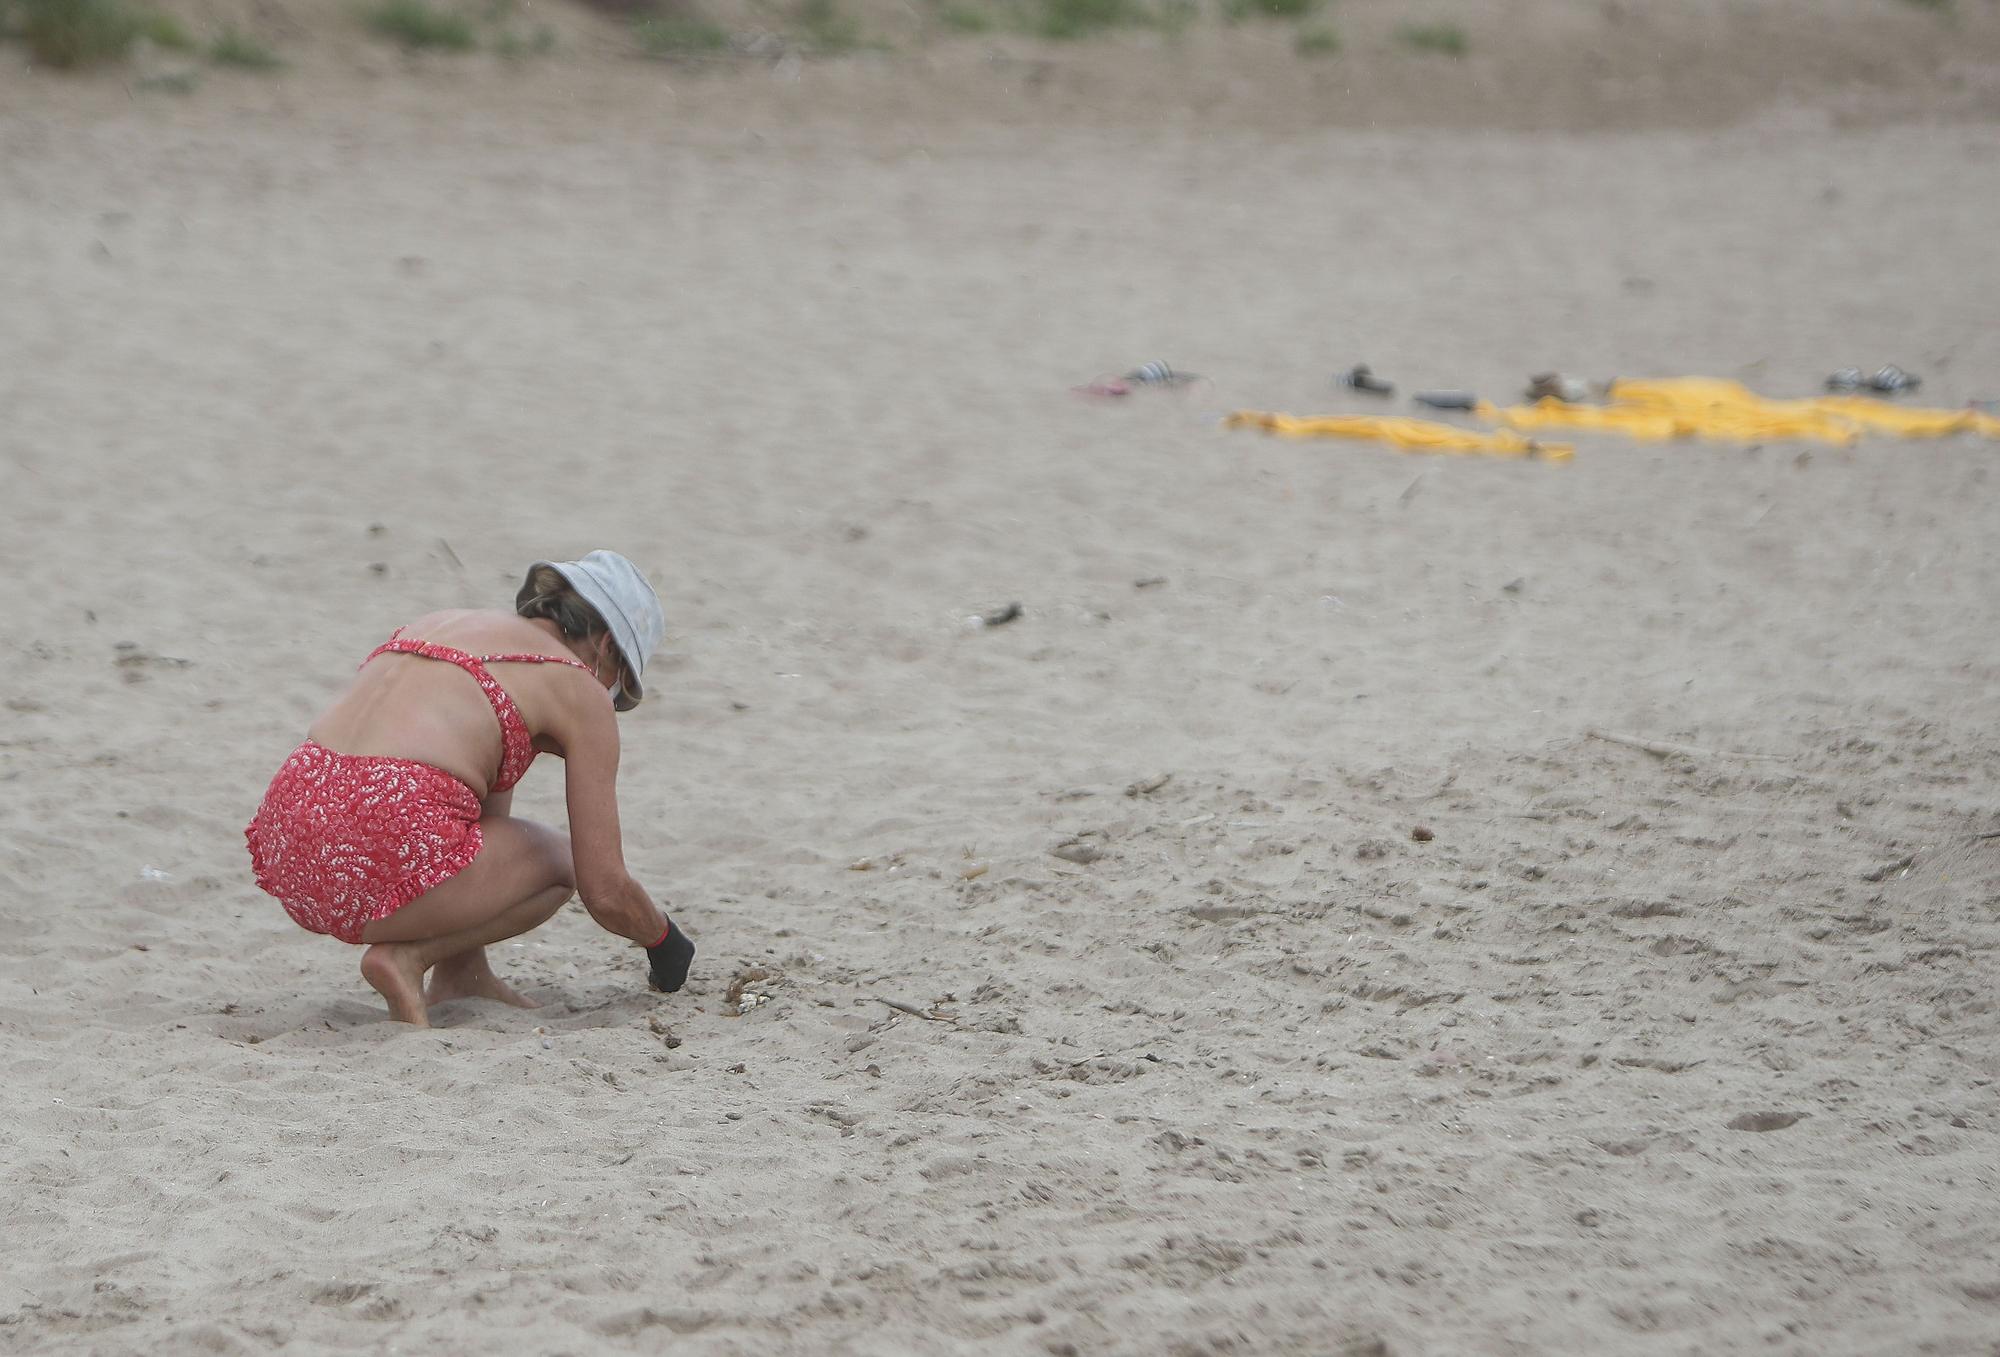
{"points": [[668, 960]]}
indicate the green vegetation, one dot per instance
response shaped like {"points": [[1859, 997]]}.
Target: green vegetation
{"points": [[1065, 20], [1236, 11], [163, 30], [421, 25], [78, 32], [73, 34], [1444, 39], [966, 19], [233, 47], [825, 28], [1174, 17], [418, 25], [1062, 20], [1321, 41], [70, 34], [81, 33], [666, 38]]}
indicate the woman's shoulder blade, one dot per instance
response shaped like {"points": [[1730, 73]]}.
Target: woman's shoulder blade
{"points": [[477, 631]]}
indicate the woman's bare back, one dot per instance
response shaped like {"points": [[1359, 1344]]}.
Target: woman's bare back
{"points": [[410, 707]]}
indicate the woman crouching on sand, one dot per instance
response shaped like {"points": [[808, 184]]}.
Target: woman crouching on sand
{"points": [[392, 824]]}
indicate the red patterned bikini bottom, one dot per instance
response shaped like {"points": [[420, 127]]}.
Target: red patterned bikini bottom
{"points": [[342, 840]]}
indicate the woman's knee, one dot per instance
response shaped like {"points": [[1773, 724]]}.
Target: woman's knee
{"points": [[546, 849]]}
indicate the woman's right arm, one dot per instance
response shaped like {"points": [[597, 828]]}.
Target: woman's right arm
{"points": [[590, 755]]}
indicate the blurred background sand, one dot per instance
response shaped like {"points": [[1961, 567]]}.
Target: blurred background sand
{"points": [[1635, 1054]]}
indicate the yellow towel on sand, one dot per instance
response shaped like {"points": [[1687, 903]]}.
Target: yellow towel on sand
{"points": [[1706, 407], [1407, 435]]}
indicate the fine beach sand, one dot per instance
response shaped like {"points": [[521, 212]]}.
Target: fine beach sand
{"points": [[1638, 1053]]}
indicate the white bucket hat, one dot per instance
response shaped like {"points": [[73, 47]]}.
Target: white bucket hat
{"points": [[615, 588]]}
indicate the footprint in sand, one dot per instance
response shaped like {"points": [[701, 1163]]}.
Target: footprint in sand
{"points": [[1765, 1121]]}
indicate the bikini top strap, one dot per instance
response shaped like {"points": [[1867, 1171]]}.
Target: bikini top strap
{"points": [[517, 748], [538, 659], [520, 747], [398, 646], [393, 645]]}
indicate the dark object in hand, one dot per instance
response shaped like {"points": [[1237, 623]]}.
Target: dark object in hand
{"points": [[668, 960]]}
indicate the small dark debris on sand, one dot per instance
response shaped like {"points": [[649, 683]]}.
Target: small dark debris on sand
{"points": [[1359, 378]]}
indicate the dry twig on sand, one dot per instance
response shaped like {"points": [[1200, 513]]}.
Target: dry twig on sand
{"points": [[1665, 749], [928, 1015], [1889, 869]]}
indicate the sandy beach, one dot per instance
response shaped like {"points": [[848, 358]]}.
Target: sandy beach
{"points": [[1376, 1004]]}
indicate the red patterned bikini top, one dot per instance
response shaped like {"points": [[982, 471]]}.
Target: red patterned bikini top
{"points": [[517, 749]]}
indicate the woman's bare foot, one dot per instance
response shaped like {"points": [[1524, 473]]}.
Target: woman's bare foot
{"points": [[468, 976], [396, 971]]}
